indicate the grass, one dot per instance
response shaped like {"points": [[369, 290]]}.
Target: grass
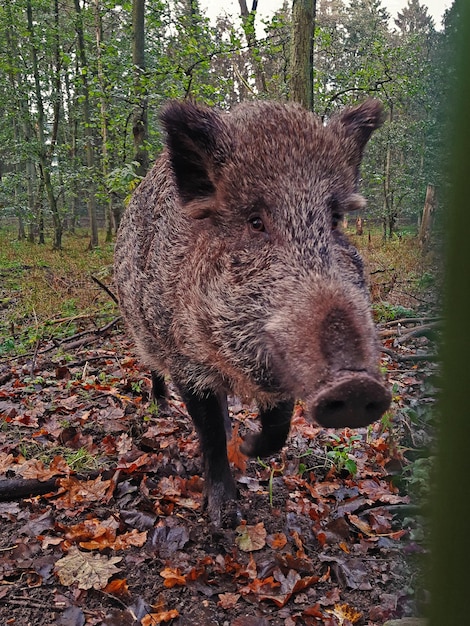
{"points": [[45, 293], [79, 460], [400, 274]]}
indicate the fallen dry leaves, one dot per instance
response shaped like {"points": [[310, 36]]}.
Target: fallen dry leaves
{"points": [[329, 550], [88, 571]]}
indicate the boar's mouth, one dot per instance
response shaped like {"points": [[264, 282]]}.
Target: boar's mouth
{"points": [[354, 400]]}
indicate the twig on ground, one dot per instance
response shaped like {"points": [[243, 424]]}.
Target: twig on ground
{"points": [[94, 331], [418, 331], [411, 320], [402, 358], [105, 288], [74, 318]]}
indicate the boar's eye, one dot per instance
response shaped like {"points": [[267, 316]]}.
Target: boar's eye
{"points": [[256, 224]]}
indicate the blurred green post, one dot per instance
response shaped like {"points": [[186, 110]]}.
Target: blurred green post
{"points": [[450, 555]]}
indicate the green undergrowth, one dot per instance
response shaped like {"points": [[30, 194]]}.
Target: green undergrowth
{"points": [[48, 294]]}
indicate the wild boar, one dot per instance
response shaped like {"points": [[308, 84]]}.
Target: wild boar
{"points": [[234, 277]]}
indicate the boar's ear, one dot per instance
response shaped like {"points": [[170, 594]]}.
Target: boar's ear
{"points": [[359, 122], [198, 144]]}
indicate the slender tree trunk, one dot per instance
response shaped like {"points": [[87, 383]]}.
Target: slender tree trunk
{"points": [[426, 221], [301, 65], [44, 165], [248, 21], [39, 211], [21, 122], [30, 179], [104, 122], [387, 200], [139, 118], [72, 126], [90, 154], [21, 228]]}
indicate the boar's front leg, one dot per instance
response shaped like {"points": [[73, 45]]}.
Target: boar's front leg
{"points": [[275, 426], [209, 413], [159, 390]]}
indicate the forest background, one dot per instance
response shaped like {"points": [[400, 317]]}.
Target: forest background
{"points": [[81, 85]]}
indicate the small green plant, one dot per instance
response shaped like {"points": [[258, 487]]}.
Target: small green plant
{"points": [[386, 421], [104, 378], [7, 346], [153, 411], [303, 467], [79, 459], [425, 281], [69, 307], [386, 312], [418, 477], [136, 386], [273, 470], [339, 452]]}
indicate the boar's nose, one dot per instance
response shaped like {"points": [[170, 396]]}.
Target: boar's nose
{"points": [[356, 399]]}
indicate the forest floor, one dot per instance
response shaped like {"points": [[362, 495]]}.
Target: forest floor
{"points": [[101, 493]]}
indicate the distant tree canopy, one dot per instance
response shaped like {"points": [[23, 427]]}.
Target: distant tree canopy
{"points": [[81, 84]]}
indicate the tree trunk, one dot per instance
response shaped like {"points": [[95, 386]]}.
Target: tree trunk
{"points": [[21, 126], [392, 223], [426, 220], [39, 211], [104, 121], [30, 179], [90, 154], [388, 199], [73, 190], [301, 63], [248, 21], [139, 118], [359, 226], [44, 165]]}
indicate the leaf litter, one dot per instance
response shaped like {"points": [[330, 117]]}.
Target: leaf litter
{"points": [[121, 536]]}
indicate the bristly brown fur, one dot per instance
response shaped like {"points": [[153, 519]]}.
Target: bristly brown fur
{"points": [[231, 273]]}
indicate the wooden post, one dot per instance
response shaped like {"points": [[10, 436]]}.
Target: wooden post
{"points": [[359, 226], [426, 220]]}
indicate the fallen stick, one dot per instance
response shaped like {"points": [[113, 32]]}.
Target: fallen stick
{"points": [[13, 489], [411, 320], [413, 358], [105, 288], [417, 332]]}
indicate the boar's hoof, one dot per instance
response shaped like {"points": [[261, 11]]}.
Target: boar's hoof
{"points": [[355, 400], [222, 507]]}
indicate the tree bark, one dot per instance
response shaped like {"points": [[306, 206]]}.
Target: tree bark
{"points": [[359, 226], [139, 118], [387, 198], [301, 62], [426, 220], [90, 154], [104, 122], [248, 21], [44, 165]]}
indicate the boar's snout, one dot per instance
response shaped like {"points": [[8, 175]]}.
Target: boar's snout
{"points": [[355, 400]]}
